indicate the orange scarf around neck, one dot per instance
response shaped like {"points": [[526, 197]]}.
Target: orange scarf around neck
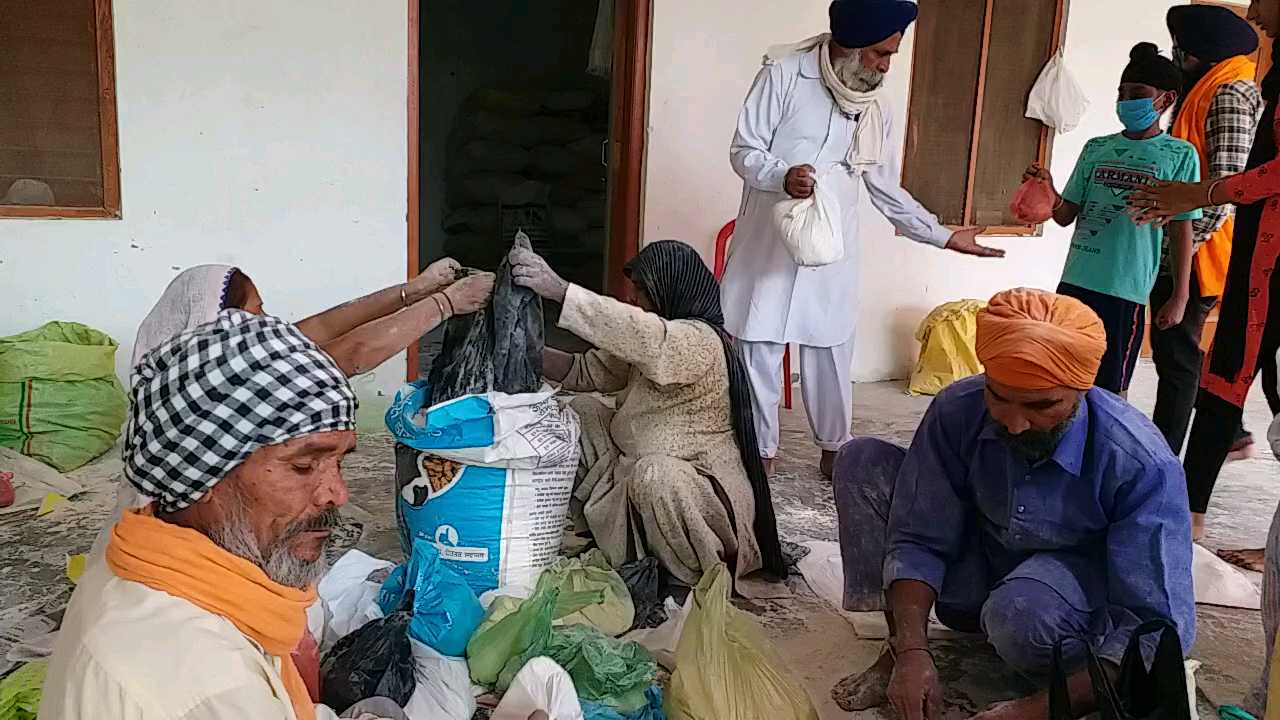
{"points": [[186, 564], [1212, 258]]}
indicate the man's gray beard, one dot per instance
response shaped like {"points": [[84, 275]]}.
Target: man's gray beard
{"points": [[854, 75], [236, 536]]}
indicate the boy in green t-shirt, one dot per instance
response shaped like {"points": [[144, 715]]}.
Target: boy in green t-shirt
{"points": [[1112, 263]]}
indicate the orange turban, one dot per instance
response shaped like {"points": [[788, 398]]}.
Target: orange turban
{"points": [[1036, 340]]}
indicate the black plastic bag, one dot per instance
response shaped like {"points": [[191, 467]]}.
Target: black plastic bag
{"points": [[374, 661], [644, 581], [498, 348], [1139, 693]]}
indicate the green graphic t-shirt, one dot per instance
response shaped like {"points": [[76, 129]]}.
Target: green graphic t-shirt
{"points": [[1109, 253]]}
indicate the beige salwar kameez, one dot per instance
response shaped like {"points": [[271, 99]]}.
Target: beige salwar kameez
{"points": [[662, 475]]}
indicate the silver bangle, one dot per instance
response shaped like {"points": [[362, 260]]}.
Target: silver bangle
{"points": [[404, 297]]}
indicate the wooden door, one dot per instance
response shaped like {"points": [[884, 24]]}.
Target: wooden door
{"points": [[628, 117]]}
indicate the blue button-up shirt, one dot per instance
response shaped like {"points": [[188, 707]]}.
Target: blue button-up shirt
{"points": [[1110, 504]]}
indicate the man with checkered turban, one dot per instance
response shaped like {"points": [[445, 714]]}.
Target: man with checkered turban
{"points": [[238, 428]]}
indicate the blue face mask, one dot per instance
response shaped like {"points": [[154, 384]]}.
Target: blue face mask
{"points": [[1137, 115]]}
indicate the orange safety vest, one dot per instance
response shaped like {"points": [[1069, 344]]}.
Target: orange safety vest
{"points": [[1212, 258]]}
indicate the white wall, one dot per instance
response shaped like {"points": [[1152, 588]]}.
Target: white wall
{"points": [[269, 135], [705, 55]]}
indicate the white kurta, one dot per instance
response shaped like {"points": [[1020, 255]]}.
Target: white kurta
{"points": [[127, 652], [790, 119]]}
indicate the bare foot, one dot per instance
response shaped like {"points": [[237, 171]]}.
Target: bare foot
{"points": [[1247, 559], [1197, 527], [828, 464], [1243, 448], [867, 689], [768, 466]]}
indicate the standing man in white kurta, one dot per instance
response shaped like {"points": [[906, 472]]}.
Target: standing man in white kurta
{"points": [[816, 113]]}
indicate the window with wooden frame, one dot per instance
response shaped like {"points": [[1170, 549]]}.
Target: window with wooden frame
{"points": [[59, 154], [967, 140]]}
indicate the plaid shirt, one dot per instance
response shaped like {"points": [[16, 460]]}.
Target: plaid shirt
{"points": [[1232, 121]]}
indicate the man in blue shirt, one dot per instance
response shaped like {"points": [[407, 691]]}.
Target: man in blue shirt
{"points": [[1030, 506]]}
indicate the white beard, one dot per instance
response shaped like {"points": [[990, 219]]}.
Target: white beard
{"points": [[236, 536], [854, 76]]}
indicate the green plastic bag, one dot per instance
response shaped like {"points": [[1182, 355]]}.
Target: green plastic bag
{"points": [[613, 614], [20, 692], [498, 649], [604, 670], [725, 667], [60, 400]]}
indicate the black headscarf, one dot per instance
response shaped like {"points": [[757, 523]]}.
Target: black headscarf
{"points": [[681, 287]]}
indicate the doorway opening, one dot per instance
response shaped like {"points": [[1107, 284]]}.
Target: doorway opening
{"points": [[526, 116]]}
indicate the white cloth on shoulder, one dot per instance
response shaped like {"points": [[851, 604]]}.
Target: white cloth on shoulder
{"points": [[867, 150]]}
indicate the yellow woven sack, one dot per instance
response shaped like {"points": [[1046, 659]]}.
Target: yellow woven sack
{"points": [[947, 338]]}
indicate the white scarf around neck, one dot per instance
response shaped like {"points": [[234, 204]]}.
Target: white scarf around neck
{"points": [[867, 149]]}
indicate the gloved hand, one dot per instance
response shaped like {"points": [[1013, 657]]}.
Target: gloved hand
{"points": [[529, 270]]}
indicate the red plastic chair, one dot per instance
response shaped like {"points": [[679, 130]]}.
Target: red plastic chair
{"points": [[722, 247]]}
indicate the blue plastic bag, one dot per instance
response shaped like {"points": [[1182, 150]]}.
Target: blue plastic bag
{"points": [[445, 609], [458, 424]]}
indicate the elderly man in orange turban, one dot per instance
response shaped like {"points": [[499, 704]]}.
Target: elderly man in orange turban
{"points": [[1031, 506]]}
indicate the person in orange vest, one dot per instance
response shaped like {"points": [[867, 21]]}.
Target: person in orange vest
{"points": [[1219, 114]]}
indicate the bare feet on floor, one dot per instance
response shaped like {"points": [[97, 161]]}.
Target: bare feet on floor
{"points": [[867, 689], [828, 464], [768, 466], [1247, 559], [1243, 448]]}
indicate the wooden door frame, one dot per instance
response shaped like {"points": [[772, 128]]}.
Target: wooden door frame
{"points": [[630, 111]]}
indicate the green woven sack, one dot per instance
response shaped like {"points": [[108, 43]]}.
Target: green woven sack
{"points": [[60, 400]]}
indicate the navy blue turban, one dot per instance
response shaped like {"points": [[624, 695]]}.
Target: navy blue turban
{"points": [[863, 23], [1210, 32]]}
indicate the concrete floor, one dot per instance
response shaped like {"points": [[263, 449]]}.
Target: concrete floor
{"points": [[820, 645]]}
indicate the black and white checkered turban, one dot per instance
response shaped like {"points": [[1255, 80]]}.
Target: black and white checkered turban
{"points": [[207, 399]]}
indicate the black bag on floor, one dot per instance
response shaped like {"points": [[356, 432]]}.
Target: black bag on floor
{"points": [[374, 661], [1158, 692], [498, 348]]}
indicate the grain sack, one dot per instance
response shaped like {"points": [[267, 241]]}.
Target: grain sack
{"points": [[589, 148], [557, 131], [481, 219], [487, 479], [567, 222], [506, 188], [60, 400], [594, 211], [486, 125], [491, 156], [568, 101], [502, 101], [554, 161]]}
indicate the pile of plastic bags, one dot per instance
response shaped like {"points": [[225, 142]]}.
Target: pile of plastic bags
{"points": [[566, 647]]}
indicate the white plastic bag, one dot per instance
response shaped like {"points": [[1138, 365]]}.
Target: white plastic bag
{"points": [[811, 228], [663, 640], [346, 599], [443, 691], [540, 685], [1057, 100]]}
